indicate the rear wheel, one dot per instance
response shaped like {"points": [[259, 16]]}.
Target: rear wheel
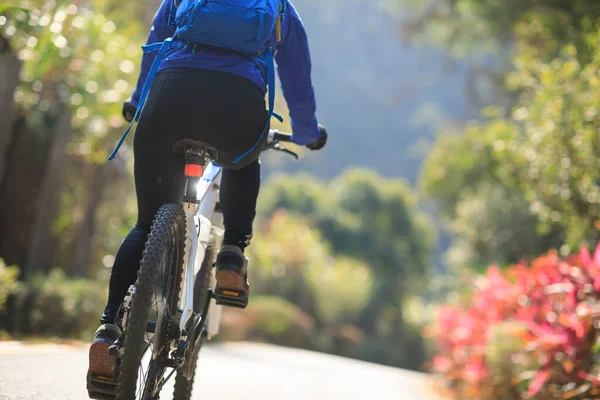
{"points": [[153, 321], [184, 381]]}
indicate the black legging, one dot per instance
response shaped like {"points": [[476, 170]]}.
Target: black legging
{"points": [[221, 109]]}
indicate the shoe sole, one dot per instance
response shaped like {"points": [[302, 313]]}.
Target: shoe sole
{"points": [[101, 362], [231, 290], [229, 280]]}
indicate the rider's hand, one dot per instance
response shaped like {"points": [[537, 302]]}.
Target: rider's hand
{"points": [[129, 110], [321, 141]]}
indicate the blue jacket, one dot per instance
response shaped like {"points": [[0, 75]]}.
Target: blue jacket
{"points": [[293, 67]]}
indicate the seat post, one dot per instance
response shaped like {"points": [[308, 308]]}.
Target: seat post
{"points": [[194, 168]]}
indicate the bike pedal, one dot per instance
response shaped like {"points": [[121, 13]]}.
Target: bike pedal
{"points": [[231, 298], [101, 387]]}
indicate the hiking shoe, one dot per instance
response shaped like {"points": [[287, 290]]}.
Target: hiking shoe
{"points": [[102, 372], [232, 277]]}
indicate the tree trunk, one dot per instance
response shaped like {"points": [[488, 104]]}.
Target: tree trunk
{"points": [[25, 161], [38, 257], [85, 235], [9, 79]]}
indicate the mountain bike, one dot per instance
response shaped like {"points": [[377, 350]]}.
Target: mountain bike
{"points": [[171, 309]]}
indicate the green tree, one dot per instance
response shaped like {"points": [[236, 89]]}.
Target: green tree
{"points": [[483, 27], [373, 219], [78, 67], [487, 214], [294, 262], [533, 160], [555, 154]]}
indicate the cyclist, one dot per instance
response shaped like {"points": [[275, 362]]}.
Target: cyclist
{"points": [[216, 96]]}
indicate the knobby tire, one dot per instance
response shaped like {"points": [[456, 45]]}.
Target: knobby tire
{"points": [[167, 234]]}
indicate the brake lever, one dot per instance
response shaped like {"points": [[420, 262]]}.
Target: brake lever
{"points": [[277, 147]]}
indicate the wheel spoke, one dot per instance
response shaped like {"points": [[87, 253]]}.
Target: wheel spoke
{"points": [[143, 382], [165, 380]]}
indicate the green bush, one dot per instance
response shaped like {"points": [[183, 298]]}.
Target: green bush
{"points": [[293, 261], [269, 319], [54, 305], [528, 332], [8, 282], [411, 354]]}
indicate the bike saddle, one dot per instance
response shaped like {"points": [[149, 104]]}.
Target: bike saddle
{"points": [[182, 146]]}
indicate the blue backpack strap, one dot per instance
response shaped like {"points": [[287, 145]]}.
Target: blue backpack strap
{"points": [[162, 48], [269, 58], [172, 14]]}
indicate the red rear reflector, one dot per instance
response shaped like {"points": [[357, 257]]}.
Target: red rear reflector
{"points": [[194, 170]]}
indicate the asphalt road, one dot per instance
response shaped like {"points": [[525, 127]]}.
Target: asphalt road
{"points": [[230, 371]]}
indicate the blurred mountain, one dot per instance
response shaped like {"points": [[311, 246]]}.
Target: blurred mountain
{"points": [[381, 101]]}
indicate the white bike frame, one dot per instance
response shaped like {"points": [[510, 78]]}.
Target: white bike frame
{"points": [[203, 223]]}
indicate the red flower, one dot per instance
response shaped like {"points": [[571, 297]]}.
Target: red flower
{"points": [[475, 371], [537, 383], [442, 364], [556, 299], [597, 256], [585, 256]]}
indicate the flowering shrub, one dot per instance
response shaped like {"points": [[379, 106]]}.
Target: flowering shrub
{"points": [[528, 332]]}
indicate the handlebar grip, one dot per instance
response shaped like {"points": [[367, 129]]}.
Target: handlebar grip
{"points": [[276, 136], [282, 137]]}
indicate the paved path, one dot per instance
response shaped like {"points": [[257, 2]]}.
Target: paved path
{"points": [[261, 372]]}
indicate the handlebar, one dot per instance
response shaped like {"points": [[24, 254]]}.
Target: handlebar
{"points": [[276, 137]]}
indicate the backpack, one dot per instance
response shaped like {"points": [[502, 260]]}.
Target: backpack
{"points": [[244, 26]]}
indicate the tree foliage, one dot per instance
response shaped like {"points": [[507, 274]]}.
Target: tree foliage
{"points": [[362, 215], [486, 212], [375, 220], [74, 55], [8, 281], [555, 155], [541, 152], [469, 27], [82, 57], [294, 262]]}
